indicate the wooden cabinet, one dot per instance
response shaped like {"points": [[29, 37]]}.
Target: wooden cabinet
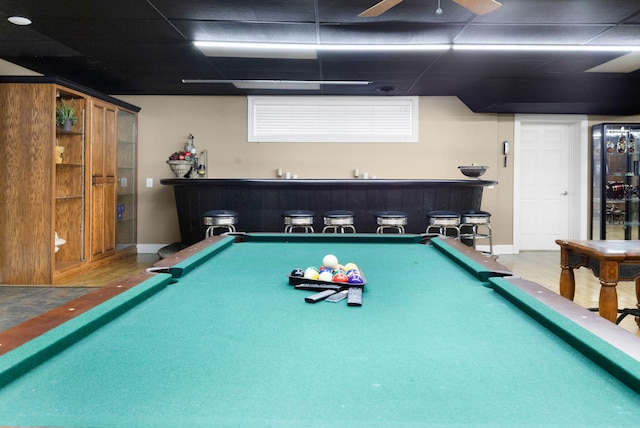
{"points": [[126, 160], [59, 188], [103, 180], [69, 171]]}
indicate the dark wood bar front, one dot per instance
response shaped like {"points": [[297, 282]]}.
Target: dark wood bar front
{"points": [[260, 202]]}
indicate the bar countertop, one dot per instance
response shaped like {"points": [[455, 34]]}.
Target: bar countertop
{"points": [[323, 181]]}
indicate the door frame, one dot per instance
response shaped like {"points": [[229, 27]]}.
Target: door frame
{"points": [[577, 169]]}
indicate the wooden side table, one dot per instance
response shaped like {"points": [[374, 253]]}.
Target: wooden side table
{"points": [[611, 261]]}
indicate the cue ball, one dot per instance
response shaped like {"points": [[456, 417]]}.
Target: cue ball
{"points": [[330, 261]]}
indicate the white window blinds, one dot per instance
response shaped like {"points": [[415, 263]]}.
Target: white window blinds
{"points": [[333, 119]]}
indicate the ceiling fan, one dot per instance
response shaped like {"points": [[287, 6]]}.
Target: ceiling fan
{"points": [[479, 7]]}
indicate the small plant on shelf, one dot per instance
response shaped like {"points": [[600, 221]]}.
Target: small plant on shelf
{"points": [[66, 115]]}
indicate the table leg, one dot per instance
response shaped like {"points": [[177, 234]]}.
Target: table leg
{"points": [[567, 280], [608, 305]]}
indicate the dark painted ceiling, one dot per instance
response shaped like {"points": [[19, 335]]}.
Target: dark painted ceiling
{"points": [[145, 47]]}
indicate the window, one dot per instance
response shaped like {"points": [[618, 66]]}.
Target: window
{"points": [[333, 119]]}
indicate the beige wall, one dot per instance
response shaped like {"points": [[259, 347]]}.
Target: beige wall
{"points": [[450, 135]]}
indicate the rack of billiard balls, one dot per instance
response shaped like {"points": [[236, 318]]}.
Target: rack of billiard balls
{"points": [[332, 281]]}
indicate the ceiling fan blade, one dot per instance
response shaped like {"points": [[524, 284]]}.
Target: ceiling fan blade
{"points": [[479, 7], [379, 8]]}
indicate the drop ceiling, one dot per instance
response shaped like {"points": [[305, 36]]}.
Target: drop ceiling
{"points": [[126, 47]]}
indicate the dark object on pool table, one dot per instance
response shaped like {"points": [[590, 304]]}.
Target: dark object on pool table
{"points": [[298, 272], [295, 280], [318, 287], [314, 298], [339, 296], [354, 298]]}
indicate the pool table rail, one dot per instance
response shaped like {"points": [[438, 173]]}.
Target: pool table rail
{"points": [[581, 328]]}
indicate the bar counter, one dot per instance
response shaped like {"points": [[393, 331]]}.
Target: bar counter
{"points": [[260, 202]]}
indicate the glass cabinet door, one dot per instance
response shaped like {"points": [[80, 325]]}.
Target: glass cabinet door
{"points": [[126, 198], [616, 178]]}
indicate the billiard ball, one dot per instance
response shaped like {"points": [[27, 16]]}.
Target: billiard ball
{"points": [[355, 279], [330, 261], [297, 272], [325, 276], [350, 266], [340, 277], [311, 273]]}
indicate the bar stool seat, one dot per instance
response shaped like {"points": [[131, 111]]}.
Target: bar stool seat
{"points": [[302, 219], [395, 220], [215, 219], [443, 221], [338, 221], [470, 221]]}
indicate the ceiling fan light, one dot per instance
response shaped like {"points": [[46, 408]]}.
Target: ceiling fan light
{"points": [[19, 20]]}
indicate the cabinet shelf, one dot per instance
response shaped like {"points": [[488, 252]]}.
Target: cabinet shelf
{"points": [[59, 198], [60, 131]]}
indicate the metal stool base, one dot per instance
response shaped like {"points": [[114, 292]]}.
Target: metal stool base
{"points": [[475, 235], [290, 228], [219, 219], [391, 220], [470, 224], [338, 228], [443, 221], [338, 222], [210, 230], [442, 229]]}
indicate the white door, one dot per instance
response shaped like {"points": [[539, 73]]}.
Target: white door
{"points": [[551, 180], [544, 184]]}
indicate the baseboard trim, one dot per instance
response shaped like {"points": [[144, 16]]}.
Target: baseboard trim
{"points": [[150, 248]]}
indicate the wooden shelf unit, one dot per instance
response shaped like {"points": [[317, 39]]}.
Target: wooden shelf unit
{"points": [[41, 194]]}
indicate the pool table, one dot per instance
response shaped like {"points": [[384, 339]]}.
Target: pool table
{"points": [[444, 337]]}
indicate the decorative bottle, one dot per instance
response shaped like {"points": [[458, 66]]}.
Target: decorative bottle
{"points": [[622, 144]]}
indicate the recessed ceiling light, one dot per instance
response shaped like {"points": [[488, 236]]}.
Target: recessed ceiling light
{"points": [[279, 84], [19, 20], [298, 50]]}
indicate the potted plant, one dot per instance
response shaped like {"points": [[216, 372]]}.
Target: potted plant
{"points": [[66, 116]]}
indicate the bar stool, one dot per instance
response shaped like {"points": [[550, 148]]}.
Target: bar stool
{"points": [[298, 219], [443, 221], [470, 221], [338, 221], [395, 220], [224, 219]]}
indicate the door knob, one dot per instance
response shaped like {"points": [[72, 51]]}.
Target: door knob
{"points": [[565, 193]]}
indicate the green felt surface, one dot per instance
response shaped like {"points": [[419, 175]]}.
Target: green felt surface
{"points": [[232, 344]]}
